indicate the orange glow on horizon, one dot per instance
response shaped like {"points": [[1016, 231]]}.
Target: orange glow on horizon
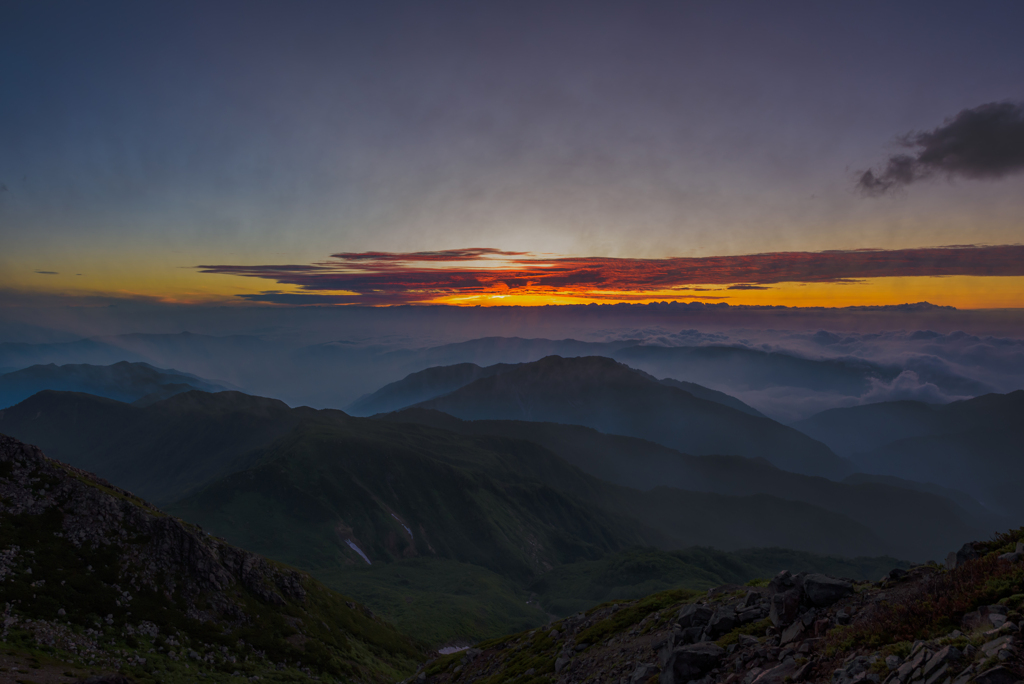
{"points": [[962, 292], [464, 278]]}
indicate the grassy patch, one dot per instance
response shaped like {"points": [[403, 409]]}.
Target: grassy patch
{"points": [[938, 609], [633, 614], [756, 629], [439, 600]]}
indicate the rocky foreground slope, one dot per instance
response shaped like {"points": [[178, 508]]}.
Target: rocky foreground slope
{"points": [[928, 625], [95, 581]]}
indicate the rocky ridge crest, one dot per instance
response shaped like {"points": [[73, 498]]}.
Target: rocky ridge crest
{"points": [[100, 579], [928, 625]]}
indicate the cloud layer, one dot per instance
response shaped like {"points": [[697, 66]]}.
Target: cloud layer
{"points": [[981, 143], [416, 277]]}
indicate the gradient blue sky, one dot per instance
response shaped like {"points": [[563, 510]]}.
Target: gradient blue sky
{"points": [[138, 140]]}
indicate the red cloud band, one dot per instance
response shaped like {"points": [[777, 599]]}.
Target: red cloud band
{"points": [[387, 277]]}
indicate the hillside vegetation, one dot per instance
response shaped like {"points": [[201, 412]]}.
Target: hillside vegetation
{"points": [[98, 580]]}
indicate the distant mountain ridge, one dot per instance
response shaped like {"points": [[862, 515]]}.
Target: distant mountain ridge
{"points": [[421, 386], [972, 445], [609, 396], [308, 374], [123, 381], [440, 380]]}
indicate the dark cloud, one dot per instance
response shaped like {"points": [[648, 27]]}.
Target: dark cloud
{"points": [[398, 278], [984, 142], [47, 272], [467, 254]]}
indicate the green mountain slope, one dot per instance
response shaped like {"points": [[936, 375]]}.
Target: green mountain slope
{"points": [[161, 451], [98, 580], [499, 511], [399, 493], [917, 524], [611, 397]]}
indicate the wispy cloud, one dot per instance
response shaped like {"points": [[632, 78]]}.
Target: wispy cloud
{"points": [[393, 278], [983, 142]]}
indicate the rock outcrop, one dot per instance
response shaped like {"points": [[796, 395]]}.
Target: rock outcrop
{"points": [[106, 581], [795, 628]]}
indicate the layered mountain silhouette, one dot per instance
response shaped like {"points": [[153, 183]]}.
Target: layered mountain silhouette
{"points": [[972, 445], [123, 381], [411, 506], [169, 449], [891, 508], [195, 443], [614, 398]]}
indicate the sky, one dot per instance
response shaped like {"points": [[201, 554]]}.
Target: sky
{"points": [[273, 154]]}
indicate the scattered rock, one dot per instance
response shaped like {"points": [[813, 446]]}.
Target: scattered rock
{"points": [[983, 618]]}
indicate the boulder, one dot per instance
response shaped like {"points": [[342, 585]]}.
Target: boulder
{"points": [[785, 607], [691, 662], [937, 661], [690, 635], [664, 649], [792, 633], [997, 675], [822, 590], [560, 663], [957, 558], [752, 599], [643, 673], [749, 615], [780, 673], [694, 615], [985, 617], [722, 622], [782, 582], [855, 670]]}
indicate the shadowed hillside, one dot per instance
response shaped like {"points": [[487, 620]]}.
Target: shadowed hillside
{"points": [[98, 580], [972, 445]]}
